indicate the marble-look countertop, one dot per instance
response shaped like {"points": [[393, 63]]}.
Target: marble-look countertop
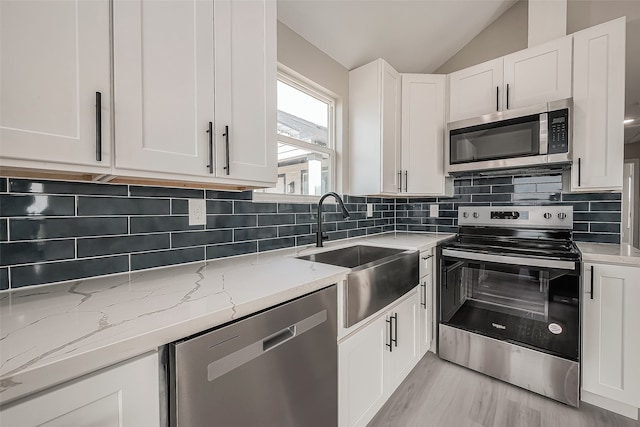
{"points": [[54, 333], [622, 254]]}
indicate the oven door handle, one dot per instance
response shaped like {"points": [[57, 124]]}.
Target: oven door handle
{"points": [[447, 270], [512, 260]]}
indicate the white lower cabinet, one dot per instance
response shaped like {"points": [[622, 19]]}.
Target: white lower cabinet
{"points": [[610, 338], [369, 370], [426, 308], [126, 395]]}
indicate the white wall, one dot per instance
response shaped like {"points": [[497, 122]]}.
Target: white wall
{"points": [[505, 35], [307, 61]]}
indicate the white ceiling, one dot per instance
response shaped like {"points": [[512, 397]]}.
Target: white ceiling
{"points": [[418, 36], [414, 36]]}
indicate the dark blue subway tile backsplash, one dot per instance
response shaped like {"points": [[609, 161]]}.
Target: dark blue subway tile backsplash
{"points": [[4, 279], [12, 205], [51, 228], [102, 206], [51, 272], [62, 187], [52, 231]]}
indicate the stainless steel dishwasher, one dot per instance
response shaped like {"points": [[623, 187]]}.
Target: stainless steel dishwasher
{"points": [[275, 368]]}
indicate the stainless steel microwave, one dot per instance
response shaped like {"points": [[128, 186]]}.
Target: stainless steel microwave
{"points": [[530, 136]]}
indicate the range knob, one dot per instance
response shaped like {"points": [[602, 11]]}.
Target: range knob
{"points": [[476, 215], [562, 215], [547, 215], [465, 214]]}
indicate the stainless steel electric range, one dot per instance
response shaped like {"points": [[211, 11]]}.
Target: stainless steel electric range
{"points": [[509, 298]]}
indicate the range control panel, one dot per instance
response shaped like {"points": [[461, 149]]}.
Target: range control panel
{"points": [[560, 217]]}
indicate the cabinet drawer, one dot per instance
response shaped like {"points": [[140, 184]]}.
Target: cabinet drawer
{"points": [[426, 263]]}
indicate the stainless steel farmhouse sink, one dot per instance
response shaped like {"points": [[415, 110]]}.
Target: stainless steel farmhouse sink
{"points": [[378, 276]]}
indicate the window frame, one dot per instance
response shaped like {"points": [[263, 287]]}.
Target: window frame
{"points": [[311, 89]]}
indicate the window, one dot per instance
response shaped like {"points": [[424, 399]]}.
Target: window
{"points": [[305, 140]]}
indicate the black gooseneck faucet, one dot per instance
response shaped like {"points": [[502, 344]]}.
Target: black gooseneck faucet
{"points": [[320, 236]]}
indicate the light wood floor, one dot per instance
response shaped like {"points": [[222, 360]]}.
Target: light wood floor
{"points": [[441, 394]]}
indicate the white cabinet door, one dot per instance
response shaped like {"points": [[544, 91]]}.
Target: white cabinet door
{"points": [[426, 314], [405, 352], [610, 339], [391, 128], [598, 107], [55, 57], [537, 75], [126, 395], [163, 79], [374, 129], [476, 90], [245, 82], [423, 103], [361, 377]]}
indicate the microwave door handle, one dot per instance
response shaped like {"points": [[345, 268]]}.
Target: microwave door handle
{"points": [[544, 133]]}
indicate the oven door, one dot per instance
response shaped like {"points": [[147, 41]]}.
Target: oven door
{"points": [[527, 301]]}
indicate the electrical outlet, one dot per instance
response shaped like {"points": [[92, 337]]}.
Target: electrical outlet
{"points": [[197, 212], [369, 210], [433, 211]]}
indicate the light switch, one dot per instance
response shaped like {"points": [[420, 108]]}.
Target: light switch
{"points": [[433, 211]]}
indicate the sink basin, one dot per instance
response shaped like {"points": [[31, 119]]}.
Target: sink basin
{"points": [[378, 277], [352, 256]]}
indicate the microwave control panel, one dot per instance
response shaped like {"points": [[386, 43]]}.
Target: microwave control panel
{"points": [[558, 131]]}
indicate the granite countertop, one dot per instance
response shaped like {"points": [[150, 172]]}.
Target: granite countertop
{"points": [[622, 254], [54, 333]]}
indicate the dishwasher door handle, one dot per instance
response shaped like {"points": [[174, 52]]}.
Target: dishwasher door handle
{"points": [[256, 349], [278, 338]]}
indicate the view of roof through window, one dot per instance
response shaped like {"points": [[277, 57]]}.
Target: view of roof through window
{"points": [[302, 116]]}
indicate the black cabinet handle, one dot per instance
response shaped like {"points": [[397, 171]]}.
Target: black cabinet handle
{"points": [[98, 126], [406, 181], [424, 295], [427, 257], [579, 170], [210, 132], [592, 274], [507, 96], [226, 142], [390, 343], [497, 98], [395, 329], [400, 181]]}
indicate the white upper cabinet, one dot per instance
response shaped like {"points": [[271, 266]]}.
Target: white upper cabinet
{"points": [[598, 107], [245, 82], [532, 76], [476, 91], [610, 339], [537, 75], [374, 129], [55, 59], [423, 101], [164, 85], [183, 67], [396, 127]]}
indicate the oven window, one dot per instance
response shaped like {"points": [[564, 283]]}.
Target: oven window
{"points": [[534, 306], [492, 141]]}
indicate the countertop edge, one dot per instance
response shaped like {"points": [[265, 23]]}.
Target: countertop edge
{"points": [[618, 254]]}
